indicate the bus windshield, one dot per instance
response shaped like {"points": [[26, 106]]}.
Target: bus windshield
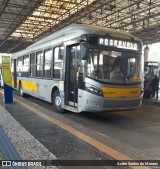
{"points": [[114, 66]]}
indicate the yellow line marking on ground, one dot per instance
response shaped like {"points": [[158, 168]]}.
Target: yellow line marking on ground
{"points": [[95, 143]]}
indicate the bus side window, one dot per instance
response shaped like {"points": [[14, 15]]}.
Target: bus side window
{"points": [[58, 62], [47, 63], [19, 66], [39, 64], [32, 65], [25, 66]]}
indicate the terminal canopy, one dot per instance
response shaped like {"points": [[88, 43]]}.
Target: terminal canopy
{"points": [[23, 22]]}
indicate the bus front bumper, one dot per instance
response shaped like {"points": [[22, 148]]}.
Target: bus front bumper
{"points": [[95, 103]]}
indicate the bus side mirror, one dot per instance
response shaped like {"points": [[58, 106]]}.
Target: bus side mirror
{"points": [[83, 51]]}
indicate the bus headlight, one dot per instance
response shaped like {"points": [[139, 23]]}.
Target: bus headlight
{"points": [[93, 89]]}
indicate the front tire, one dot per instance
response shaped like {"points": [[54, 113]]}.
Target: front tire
{"points": [[56, 100], [21, 90]]}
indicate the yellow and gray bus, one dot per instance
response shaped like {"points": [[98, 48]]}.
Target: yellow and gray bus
{"points": [[72, 69]]}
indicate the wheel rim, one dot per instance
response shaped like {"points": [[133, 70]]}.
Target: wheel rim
{"points": [[21, 91], [58, 101]]}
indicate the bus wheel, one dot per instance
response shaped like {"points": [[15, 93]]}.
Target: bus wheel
{"points": [[21, 90], [57, 102]]}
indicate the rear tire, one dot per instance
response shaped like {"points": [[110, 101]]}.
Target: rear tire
{"points": [[56, 100]]}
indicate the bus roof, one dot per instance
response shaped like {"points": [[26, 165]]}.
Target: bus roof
{"points": [[72, 31]]}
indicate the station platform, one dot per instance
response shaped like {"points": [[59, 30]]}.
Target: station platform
{"points": [[16, 143], [28, 133], [19, 142]]}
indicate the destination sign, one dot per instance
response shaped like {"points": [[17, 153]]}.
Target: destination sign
{"points": [[152, 64], [118, 43]]}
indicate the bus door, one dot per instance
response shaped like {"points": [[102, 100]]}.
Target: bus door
{"points": [[71, 78]]}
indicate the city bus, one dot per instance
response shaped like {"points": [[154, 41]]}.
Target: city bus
{"points": [[72, 67], [152, 67]]}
